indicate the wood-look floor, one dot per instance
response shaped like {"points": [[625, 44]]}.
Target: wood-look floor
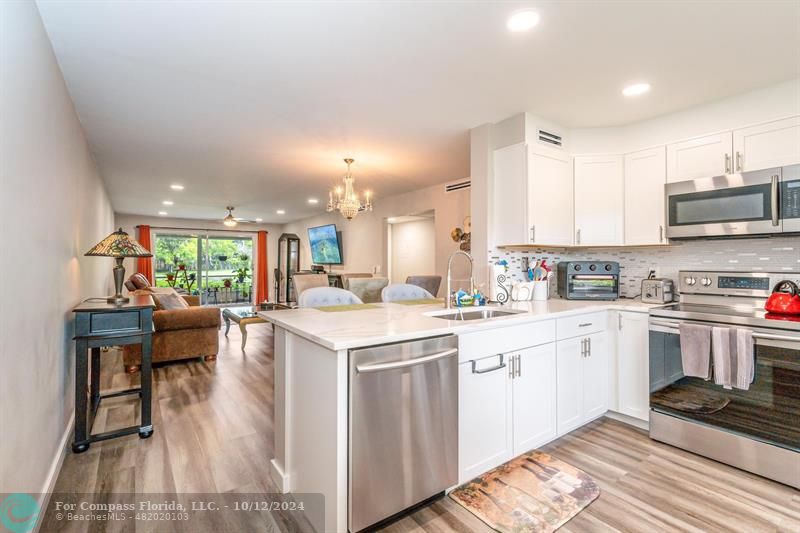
{"points": [[213, 433]]}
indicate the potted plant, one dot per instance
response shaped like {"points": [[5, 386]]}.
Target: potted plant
{"points": [[241, 274]]}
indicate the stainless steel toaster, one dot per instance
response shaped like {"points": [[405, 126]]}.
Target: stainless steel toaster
{"points": [[657, 290]]}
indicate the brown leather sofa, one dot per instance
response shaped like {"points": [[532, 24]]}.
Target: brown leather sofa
{"points": [[179, 334]]}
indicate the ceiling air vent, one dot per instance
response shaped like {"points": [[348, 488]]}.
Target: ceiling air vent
{"points": [[549, 138], [457, 185]]}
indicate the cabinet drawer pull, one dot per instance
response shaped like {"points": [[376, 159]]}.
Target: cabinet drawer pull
{"points": [[738, 161], [727, 163], [490, 369], [585, 325]]}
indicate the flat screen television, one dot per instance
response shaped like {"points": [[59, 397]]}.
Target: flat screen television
{"points": [[326, 248]]}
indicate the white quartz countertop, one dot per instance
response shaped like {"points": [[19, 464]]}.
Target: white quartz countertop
{"points": [[392, 322]]}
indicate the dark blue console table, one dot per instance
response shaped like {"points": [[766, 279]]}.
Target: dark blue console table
{"points": [[99, 324]]}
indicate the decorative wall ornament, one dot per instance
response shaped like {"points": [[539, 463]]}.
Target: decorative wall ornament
{"points": [[463, 236]]}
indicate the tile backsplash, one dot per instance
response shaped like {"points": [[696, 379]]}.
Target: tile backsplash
{"points": [[774, 254]]}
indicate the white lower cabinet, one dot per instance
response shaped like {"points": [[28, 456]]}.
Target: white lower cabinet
{"points": [[516, 401], [534, 397], [581, 380], [633, 365], [484, 417], [506, 407]]}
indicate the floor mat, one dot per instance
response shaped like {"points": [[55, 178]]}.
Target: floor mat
{"points": [[531, 493]]}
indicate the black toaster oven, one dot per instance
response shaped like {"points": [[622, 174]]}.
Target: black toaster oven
{"points": [[588, 280]]}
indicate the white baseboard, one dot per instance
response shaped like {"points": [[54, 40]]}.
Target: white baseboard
{"points": [[278, 476], [55, 469], [631, 421]]}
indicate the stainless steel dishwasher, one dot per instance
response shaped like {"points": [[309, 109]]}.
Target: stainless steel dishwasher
{"points": [[403, 430]]}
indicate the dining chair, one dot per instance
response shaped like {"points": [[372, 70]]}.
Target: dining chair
{"points": [[326, 296], [429, 283], [404, 291], [303, 282], [368, 289]]}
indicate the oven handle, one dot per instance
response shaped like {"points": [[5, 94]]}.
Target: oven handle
{"points": [[756, 335]]}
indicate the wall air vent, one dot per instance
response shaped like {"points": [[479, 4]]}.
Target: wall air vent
{"points": [[549, 138], [457, 185]]}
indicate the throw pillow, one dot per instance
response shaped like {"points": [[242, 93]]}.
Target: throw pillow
{"points": [[139, 281], [168, 302]]}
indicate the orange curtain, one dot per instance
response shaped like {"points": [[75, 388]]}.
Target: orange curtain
{"points": [[144, 265], [262, 278]]}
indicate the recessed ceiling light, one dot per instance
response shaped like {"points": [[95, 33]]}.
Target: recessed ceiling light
{"points": [[281, 212], [259, 220], [162, 213], [313, 201], [636, 89], [176, 187], [167, 202], [522, 21]]}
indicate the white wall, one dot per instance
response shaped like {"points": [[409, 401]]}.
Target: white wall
{"points": [[129, 223], [55, 208], [413, 249], [364, 238], [762, 105]]}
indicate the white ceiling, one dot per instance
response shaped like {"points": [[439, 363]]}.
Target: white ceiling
{"points": [[254, 104]]}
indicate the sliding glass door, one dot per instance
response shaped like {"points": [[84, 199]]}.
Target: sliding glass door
{"points": [[216, 267], [227, 270]]}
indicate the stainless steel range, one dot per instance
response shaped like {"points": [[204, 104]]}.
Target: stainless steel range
{"points": [[757, 429]]}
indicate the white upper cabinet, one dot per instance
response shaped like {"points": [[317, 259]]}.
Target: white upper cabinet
{"points": [[510, 206], [532, 196], [645, 177], [702, 157], [599, 205], [550, 215], [773, 144]]}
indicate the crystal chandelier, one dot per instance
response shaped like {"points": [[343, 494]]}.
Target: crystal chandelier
{"points": [[346, 201]]}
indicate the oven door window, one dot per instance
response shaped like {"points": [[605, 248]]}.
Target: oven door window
{"points": [[737, 204], [768, 411], [593, 286]]}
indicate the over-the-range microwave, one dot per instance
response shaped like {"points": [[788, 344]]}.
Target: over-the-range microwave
{"points": [[761, 202]]}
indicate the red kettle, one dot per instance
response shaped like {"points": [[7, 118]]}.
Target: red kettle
{"points": [[785, 299]]}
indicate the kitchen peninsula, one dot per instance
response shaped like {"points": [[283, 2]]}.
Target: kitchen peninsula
{"points": [[564, 362]]}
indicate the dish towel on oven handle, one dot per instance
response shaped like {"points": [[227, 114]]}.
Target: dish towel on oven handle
{"points": [[695, 350], [733, 356]]}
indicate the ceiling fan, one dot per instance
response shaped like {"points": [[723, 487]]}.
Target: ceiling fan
{"points": [[231, 221]]}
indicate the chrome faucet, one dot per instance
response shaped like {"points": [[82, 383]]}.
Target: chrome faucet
{"points": [[448, 300]]}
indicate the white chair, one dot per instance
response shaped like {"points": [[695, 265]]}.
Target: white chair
{"points": [[404, 291], [326, 296], [304, 282]]}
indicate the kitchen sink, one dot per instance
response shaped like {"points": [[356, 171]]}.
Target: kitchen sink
{"points": [[474, 314]]}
